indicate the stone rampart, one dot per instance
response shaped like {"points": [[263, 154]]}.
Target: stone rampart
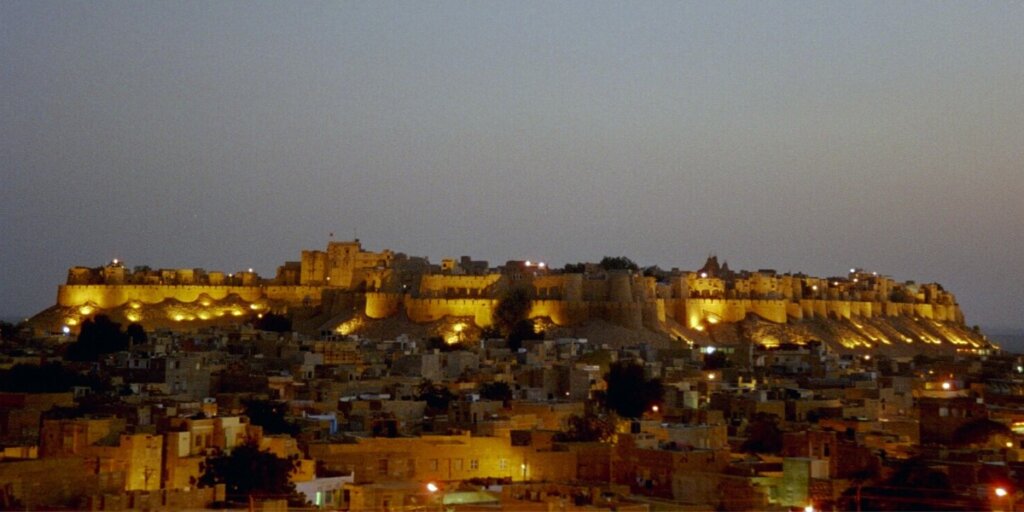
{"points": [[383, 305], [112, 296], [429, 310], [433, 285]]}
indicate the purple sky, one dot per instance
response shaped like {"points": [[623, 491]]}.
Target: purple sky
{"points": [[800, 136]]}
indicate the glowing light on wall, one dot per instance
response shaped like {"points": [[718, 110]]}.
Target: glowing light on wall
{"points": [[85, 310]]}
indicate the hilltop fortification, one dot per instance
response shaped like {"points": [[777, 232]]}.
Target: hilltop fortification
{"points": [[346, 281]]}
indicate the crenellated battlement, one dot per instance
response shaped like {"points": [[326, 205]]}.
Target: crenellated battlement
{"points": [[385, 284]]}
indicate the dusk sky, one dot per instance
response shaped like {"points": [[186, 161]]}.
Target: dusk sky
{"points": [[800, 136]]}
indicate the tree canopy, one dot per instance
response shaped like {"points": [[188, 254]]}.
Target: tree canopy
{"points": [[629, 392], [588, 428], [510, 317], [273, 323], [271, 416], [101, 335], [47, 378], [496, 391], [248, 472], [763, 434], [437, 397], [618, 263]]}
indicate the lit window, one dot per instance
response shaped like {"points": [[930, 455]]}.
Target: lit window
{"points": [[502, 464]]}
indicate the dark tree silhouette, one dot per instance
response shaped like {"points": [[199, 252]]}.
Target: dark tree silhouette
{"points": [[510, 317], [136, 334], [511, 309], [273, 323], [250, 473], [271, 416], [99, 335], [522, 330], [496, 391], [47, 378], [914, 485], [588, 428], [980, 431], [618, 263], [716, 360], [437, 397], [629, 393], [763, 434], [8, 331], [574, 268]]}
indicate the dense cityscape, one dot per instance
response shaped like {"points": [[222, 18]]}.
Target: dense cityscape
{"points": [[145, 401], [605, 256]]}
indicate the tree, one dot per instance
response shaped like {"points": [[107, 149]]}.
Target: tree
{"points": [[136, 334], [588, 428], [574, 268], [629, 393], [914, 485], [618, 263], [437, 397], [511, 309], [99, 336], [980, 432], [250, 473], [496, 391], [271, 416], [8, 331], [510, 317], [522, 330], [716, 360], [273, 323], [763, 434], [47, 378]]}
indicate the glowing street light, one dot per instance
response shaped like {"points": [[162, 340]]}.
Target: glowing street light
{"points": [[1001, 492], [432, 487], [946, 386], [809, 508]]}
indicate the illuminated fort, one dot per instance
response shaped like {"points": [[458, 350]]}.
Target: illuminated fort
{"points": [[346, 280]]}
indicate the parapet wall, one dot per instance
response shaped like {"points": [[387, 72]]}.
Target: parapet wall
{"points": [[110, 296], [629, 311]]}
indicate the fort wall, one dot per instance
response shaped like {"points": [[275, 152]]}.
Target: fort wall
{"points": [[439, 285], [113, 296], [429, 310]]}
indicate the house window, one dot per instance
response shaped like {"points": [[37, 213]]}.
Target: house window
{"points": [[382, 466], [943, 412], [433, 464], [457, 464], [827, 450], [474, 464], [502, 464]]}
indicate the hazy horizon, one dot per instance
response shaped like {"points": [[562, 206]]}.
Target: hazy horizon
{"points": [[800, 136]]}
